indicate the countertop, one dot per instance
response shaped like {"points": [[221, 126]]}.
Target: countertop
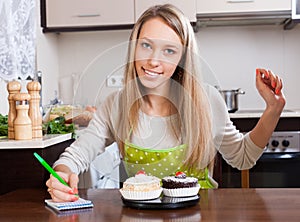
{"points": [[257, 113], [225, 205], [47, 140]]}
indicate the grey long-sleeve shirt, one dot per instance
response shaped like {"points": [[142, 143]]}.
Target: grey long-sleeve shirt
{"points": [[236, 148]]}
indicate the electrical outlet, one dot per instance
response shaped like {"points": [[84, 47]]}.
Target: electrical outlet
{"points": [[114, 81]]}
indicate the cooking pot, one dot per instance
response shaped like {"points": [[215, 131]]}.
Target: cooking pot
{"points": [[231, 98]]}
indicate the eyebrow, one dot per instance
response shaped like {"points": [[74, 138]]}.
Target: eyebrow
{"points": [[167, 45]]}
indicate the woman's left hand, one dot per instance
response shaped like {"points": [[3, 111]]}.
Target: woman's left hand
{"points": [[270, 87]]}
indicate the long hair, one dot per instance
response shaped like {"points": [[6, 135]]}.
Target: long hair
{"points": [[192, 103]]}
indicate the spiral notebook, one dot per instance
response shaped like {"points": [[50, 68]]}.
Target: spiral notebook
{"points": [[61, 206]]}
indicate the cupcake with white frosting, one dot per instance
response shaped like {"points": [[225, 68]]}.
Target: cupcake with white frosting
{"points": [[141, 187]]}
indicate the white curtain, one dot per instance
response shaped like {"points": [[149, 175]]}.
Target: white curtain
{"points": [[17, 39]]}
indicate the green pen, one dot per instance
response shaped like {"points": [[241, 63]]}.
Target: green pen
{"points": [[50, 169]]}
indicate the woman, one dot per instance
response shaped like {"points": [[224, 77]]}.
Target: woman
{"points": [[164, 119]]}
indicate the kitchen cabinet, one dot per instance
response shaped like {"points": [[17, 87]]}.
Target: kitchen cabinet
{"points": [[88, 14], [188, 7], [20, 169], [228, 6], [244, 12]]}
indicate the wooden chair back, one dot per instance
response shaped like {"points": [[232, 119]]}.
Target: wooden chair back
{"points": [[217, 173]]}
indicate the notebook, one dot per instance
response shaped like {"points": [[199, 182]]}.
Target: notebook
{"points": [[60, 206]]}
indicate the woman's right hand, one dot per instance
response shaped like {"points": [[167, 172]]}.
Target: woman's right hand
{"points": [[60, 192]]}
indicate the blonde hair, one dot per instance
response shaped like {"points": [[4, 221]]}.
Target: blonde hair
{"points": [[192, 104]]}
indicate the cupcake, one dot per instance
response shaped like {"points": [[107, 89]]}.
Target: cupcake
{"points": [[180, 185], [141, 187]]}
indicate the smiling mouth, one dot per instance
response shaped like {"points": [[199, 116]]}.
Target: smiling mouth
{"points": [[151, 73]]}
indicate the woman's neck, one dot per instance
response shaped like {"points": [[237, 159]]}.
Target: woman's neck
{"points": [[157, 102], [156, 105]]}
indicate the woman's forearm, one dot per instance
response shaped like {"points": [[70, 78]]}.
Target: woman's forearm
{"points": [[269, 87], [264, 128]]}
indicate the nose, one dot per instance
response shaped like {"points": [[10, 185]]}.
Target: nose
{"points": [[154, 58]]}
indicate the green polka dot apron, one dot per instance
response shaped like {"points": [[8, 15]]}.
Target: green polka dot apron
{"points": [[161, 163]]}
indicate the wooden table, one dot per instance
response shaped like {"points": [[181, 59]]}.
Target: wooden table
{"points": [[215, 205]]}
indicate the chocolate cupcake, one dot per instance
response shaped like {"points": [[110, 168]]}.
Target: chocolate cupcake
{"points": [[180, 185]]}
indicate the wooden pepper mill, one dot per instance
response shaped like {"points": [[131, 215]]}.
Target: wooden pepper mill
{"points": [[34, 109], [13, 87], [22, 123]]}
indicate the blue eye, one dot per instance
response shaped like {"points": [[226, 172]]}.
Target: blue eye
{"points": [[170, 51], [146, 45]]}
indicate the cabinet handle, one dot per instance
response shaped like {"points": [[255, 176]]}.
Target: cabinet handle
{"points": [[87, 15], [239, 1]]}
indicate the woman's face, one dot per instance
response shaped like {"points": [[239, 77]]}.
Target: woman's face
{"points": [[157, 54]]}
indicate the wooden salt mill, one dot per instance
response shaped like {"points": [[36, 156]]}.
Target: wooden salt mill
{"points": [[22, 123], [34, 109], [13, 87]]}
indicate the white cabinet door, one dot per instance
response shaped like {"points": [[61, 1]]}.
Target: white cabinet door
{"points": [[187, 6], [78, 13], [224, 6]]}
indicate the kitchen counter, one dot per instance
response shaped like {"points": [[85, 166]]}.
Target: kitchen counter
{"points": [[46, 141], [225, 205], [257, 113], [20, 169], [245, 120]]}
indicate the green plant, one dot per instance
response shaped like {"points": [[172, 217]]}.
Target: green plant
{"points": [[58, 126], [3, 125]]}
